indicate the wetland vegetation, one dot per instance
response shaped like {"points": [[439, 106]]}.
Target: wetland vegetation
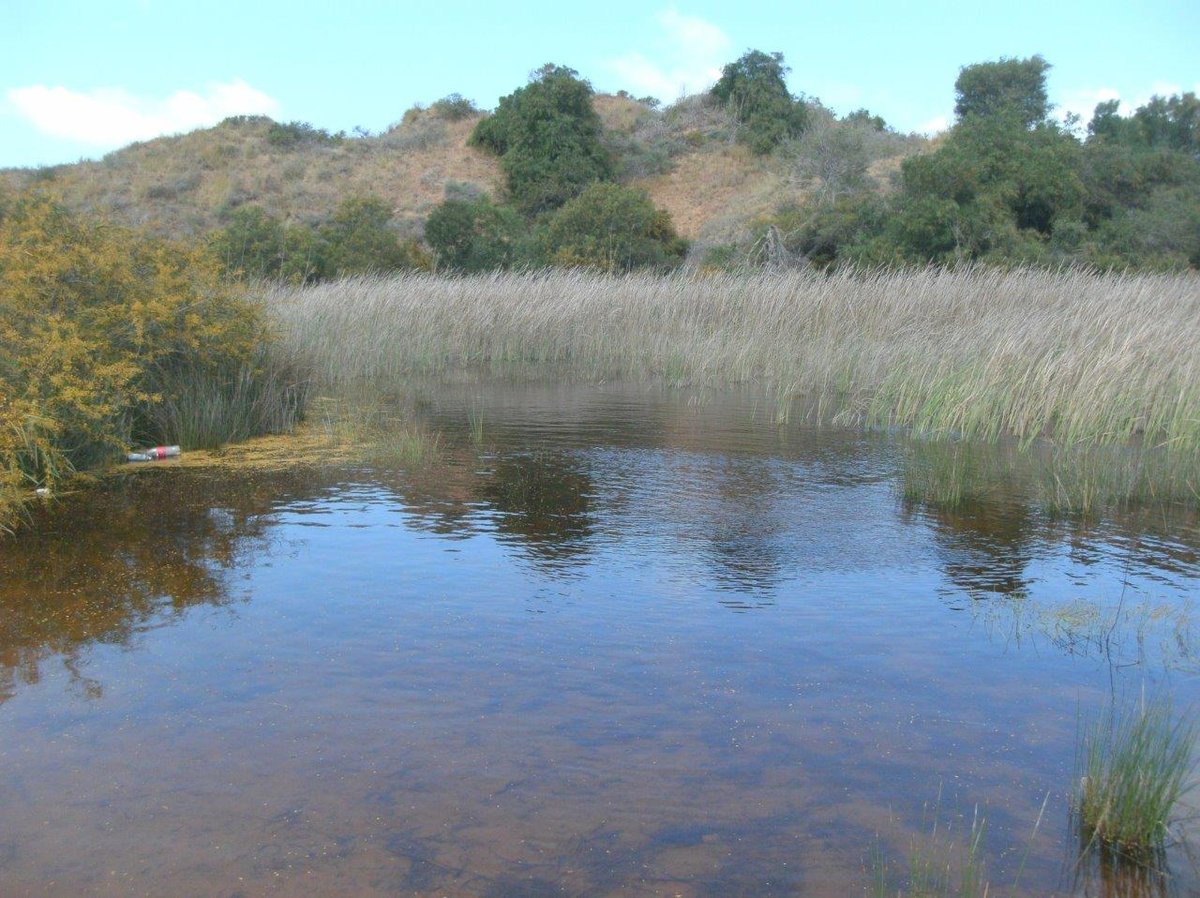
{"points": [[909, 478], [355, 641]]}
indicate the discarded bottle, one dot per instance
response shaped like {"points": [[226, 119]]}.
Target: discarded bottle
{"points": [[153, 453]]}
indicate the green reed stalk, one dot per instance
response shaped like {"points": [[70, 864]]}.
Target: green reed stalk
{"points": [[1133, 767]]}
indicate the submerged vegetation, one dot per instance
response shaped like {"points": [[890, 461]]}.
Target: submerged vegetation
{"points": [[937, 865]]}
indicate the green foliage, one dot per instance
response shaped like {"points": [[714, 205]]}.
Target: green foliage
{"points": [[865, 117], [1142, 185], [289, 135], [454, 108], [754, 90], [474, 235], [253, 242], [613, 228], [98, 325], [548, 138], [1133, 766], [1007, 187], [1171, 123], [1109, 126], [830, 232], [1008, 88], [994, 190], [356, 239]]}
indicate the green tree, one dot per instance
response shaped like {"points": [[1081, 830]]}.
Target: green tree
{"points": [[992, 190], [474, 235], [1009, 87], [1107, 124], [548, 138], [357, 240], [754, 90], [253, 243], [1172, 123], [613, 228], [1163, 123]]}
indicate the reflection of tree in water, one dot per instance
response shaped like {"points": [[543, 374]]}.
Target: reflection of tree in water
{"points": [[744, 530], [985, 547], [104, 566], [543, 502]]}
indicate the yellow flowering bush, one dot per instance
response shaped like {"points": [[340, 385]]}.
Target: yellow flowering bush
{"points": [[98, 325]]}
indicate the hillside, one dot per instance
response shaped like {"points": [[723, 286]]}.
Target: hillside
{"points": [[684, 156]]}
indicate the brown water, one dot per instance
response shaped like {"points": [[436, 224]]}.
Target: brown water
{"points": [[630, 644]]}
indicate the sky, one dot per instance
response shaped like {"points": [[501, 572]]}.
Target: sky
{"points": [[79, 78]]}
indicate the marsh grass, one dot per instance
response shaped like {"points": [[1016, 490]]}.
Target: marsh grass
{"points": [[1077, 481], [475, 425], [1132, 767], [377, 432], [206, 409], [406, 446], [938, 865], [1074, 357]]}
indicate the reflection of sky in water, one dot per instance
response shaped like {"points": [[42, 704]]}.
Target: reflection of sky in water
{"points": [[520, 674]]}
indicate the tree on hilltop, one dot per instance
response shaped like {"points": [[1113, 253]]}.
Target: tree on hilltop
{"points": [[547, 136], [754, 90], [1007, 87]]}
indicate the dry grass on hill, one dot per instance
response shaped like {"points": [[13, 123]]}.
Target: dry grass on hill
{"points": [[180, 186], [684, 156]]}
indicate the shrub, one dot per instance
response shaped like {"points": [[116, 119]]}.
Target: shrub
{"points": [[474, 235], [547, 136], [97, 325], [754, 89], [357, 240], [613, 228], [252, 243], [454, 108], [289, 135]]}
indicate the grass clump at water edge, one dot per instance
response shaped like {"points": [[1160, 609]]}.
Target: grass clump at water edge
{"points": [[1132, 767]]}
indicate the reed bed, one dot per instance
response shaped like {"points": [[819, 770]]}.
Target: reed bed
{"points": [[1073, 356]]}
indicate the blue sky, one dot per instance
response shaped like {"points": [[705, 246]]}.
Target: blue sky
{"points": [[81, 77]]}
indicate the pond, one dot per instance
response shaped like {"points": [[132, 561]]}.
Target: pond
{"points": [[611, 641]]}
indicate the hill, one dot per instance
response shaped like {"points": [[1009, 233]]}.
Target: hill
{"points": [[684, 156]]}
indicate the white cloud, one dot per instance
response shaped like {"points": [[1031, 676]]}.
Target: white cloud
{"points": [[1083, 101], [693, 52], [110, 117], [935, 125]]}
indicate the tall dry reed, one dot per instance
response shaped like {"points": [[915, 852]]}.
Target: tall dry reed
{"points": [[1075, 356]]}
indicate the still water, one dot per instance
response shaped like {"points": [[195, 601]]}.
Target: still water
{"points": [[618, 643]]}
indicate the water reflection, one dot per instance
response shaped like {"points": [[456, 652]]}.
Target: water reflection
{"points": [[985, 550], [105, 567], [541, 501], [514, 671]]}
